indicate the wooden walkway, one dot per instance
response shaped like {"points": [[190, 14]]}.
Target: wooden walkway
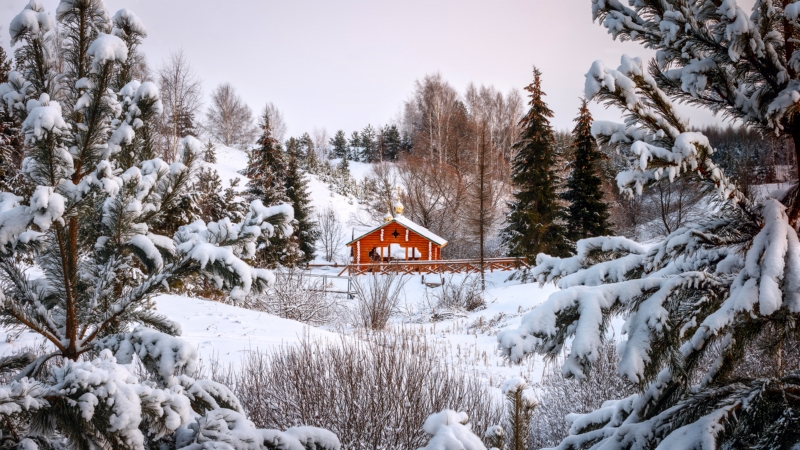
{"points": [[437, 267]]}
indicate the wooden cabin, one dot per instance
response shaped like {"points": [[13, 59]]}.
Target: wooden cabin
{"points": [[398, 239]]}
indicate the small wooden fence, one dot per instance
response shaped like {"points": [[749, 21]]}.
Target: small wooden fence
{"points": [[440, 267]]}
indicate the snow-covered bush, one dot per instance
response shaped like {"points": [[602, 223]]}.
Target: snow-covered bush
{"points": [[458, 294], [451, 430], [90, 227], [716, 290], [296, 296], [558, 396], [377, 297], [495, 437], [382, 386]]}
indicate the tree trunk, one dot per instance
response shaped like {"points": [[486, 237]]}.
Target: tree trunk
{"points": [[793, 199]]}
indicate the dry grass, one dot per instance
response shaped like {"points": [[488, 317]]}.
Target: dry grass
{"points": [[374, 392]]}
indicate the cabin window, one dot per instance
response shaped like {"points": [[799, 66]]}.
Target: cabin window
{"points": [[394, 252]]}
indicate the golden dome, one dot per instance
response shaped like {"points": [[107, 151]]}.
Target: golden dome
{"points": [[398, 206], [388, 217]]}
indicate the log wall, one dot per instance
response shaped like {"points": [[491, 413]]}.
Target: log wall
{"points": [[373, 241]]}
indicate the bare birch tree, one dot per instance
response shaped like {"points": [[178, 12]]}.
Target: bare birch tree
{"points": [[276, 121], [182, 98], [229, 120], [321, 138], [331, 235]]}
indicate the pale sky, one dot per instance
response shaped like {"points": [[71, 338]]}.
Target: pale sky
{"points": [[346, 63]]}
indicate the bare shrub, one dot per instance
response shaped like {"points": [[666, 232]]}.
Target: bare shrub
{"points": [[380, 389], [559, 396], [331, 232], [378, 296], [456, 295], [296, 296]]}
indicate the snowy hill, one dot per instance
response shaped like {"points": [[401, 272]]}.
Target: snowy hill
{"points": [[223, 333]]}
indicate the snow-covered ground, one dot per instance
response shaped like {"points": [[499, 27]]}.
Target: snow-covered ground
{"points": [[224, 333]]}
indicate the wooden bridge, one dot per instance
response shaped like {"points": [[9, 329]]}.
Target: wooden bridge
{"points": [[437, 267]]}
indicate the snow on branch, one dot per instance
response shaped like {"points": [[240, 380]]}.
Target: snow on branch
{"points": [[660, 144], [451, 430], [225, 428], [166, 355], [105, 49], [32, 20]]}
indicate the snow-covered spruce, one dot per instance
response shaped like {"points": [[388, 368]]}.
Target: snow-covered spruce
{"points": [[90, 228], [451, 430], [710, 310]]}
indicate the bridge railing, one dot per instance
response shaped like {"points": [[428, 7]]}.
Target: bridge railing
{"points": [[440, 266]]}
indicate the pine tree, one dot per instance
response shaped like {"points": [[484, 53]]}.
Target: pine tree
{"points": [[305, 228], [339, 145], [11, 141], [368, 146], [519, 410], [211, 203], [308, 153], [587, 213], [392, 143], [533, 222], [89, 228], [355, 146], [266, 169], [235, 206], [710, 311], [210, 155]]}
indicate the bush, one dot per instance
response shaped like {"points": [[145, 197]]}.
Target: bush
{"points": [[296, 296], [382, 388], [377, 299], [462, 295], [559, 396]]}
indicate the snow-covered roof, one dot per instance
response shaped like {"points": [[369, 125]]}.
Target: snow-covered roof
{"points": [[359, 232]]}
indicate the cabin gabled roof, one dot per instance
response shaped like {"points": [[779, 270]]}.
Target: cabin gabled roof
{"points": [[405, 223]]}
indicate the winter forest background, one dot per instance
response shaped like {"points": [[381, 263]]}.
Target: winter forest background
{"points": [[169, 253]]}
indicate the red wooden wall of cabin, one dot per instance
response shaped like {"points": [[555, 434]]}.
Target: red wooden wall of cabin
{"points": [[373, 240]]}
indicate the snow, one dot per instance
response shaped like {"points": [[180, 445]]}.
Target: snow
{"points": [[419, 229], [513, 384], [31, 20], [701, 435], [785, 101], [407, 223], [47, 207], [225, 334], [105, 49], [451, 431], [43, 115], [192, 145], [125, 18], [397, 251], [226, 429], [104, 381]]}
